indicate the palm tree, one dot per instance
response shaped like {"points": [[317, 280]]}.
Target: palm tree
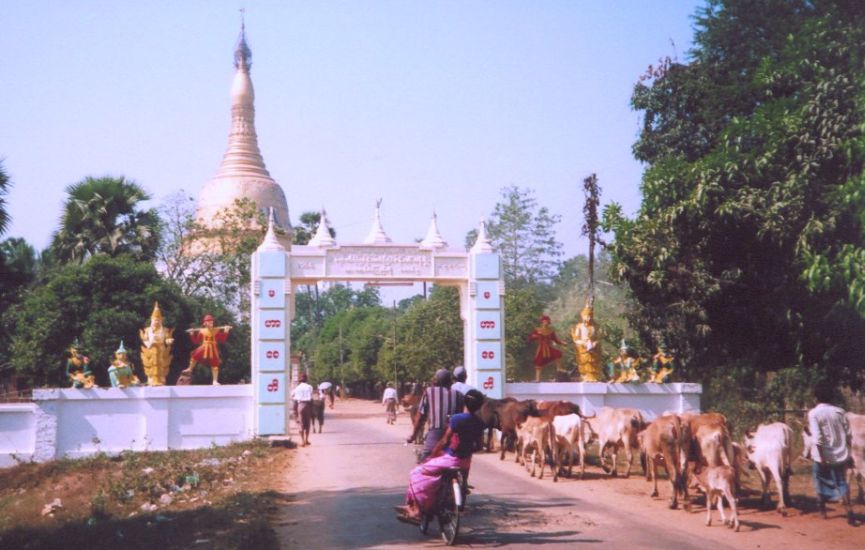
{"points": [[101, 216], [5, 184]]}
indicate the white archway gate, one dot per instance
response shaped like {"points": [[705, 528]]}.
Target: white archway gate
{"points": [[277, 271]]}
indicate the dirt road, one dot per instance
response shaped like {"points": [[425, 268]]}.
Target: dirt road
{"points": [[343, 487]]}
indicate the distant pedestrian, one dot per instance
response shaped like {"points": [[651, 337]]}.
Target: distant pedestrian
{"points": [[302, 397], [389, 400], [325, 389], [830, 439], [437, 404]]}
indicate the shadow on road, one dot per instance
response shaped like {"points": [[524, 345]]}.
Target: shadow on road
{"points": [[367, 520]]}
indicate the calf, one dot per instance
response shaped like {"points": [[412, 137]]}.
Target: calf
{"points": [[664, 442], [572, 434], [538, 437], [770, 453], [857, 450], [317, 414], [616, 428], [511, 415], [718, 483]]}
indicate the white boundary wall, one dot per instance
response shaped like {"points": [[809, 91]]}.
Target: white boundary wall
{"points": [[75, 422], [651, 399]]}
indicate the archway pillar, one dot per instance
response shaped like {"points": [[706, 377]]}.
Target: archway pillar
{"points": [[484, 332], [271, 338]]}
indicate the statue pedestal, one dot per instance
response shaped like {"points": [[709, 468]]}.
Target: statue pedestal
{"points": [[651, 399]]}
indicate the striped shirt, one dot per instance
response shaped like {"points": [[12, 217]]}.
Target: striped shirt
{"points": [[437, 404]]}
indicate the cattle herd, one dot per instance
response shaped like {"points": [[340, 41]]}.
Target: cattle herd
{"points": [[697, 451]]}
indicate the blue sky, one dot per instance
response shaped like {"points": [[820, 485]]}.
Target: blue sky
{"points": [[429, 105]]}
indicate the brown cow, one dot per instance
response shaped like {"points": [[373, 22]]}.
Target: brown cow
{"points": [[489, 413], [616, 428], [711, 443], [665, 441], [550, 409], [511, 415]]}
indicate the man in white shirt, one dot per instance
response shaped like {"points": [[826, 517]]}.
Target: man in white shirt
{"points": [[827, 441], [389, 400], [302, 397], [460, 375]]}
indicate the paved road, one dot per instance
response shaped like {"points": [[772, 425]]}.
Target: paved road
{"points": [[343, 488]]}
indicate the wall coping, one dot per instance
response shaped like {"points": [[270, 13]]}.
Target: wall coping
{"points": [[143, 392]]}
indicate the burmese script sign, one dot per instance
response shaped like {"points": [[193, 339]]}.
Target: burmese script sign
{"points": [[391, 261], [397, 262]]}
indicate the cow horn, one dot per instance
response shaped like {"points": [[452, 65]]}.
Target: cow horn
{"points": [[594, 414]]}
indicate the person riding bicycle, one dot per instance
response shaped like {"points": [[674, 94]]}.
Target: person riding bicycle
{"points": [[453, 450]]}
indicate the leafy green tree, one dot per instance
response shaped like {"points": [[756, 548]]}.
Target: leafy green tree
{"points": [[103, 216], [430, 335], [746, 254], [5, 184], [524, 234], [102, 302]]}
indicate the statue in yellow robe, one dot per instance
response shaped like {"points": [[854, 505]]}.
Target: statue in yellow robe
{"points": [[156, 348], [586, 337]]}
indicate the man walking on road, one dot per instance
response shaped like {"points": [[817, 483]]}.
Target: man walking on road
{"points": [[436, 406], [389, 401], [830, 449], [302, 397]]}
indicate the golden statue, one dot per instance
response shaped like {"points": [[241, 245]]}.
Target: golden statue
{"points": [[663, 364], [586, 338], [624, 367], [156, 348], [120, 371]]}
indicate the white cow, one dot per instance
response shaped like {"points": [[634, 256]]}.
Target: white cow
{"points": [[616, 428], [857, 450], [770, 451], [536, 436], [572, 434]]}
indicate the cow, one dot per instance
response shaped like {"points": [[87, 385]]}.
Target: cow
{"points": [[317, 414], [770, 451], [857, 450], [616, 428], [711, 444], [511, 415], [665, 441], [572, 434], [718, 483], [537, 437], [489, 414], [551, 409]]}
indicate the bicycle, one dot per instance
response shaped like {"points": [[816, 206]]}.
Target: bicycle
{"points": [[449, 502]]}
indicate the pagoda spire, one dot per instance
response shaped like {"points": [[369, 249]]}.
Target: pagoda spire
{"points": [[242, 173], [242, 156]]}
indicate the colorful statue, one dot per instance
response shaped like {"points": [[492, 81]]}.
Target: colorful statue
{"points": [[208, 352], [78, 368], [156, 348], [624, 367], [120, 371], [663, 364], [545, 353], [586, 338]]}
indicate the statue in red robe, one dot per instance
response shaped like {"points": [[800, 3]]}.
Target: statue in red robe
{"points": [[546, 352], [207, 352]]}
